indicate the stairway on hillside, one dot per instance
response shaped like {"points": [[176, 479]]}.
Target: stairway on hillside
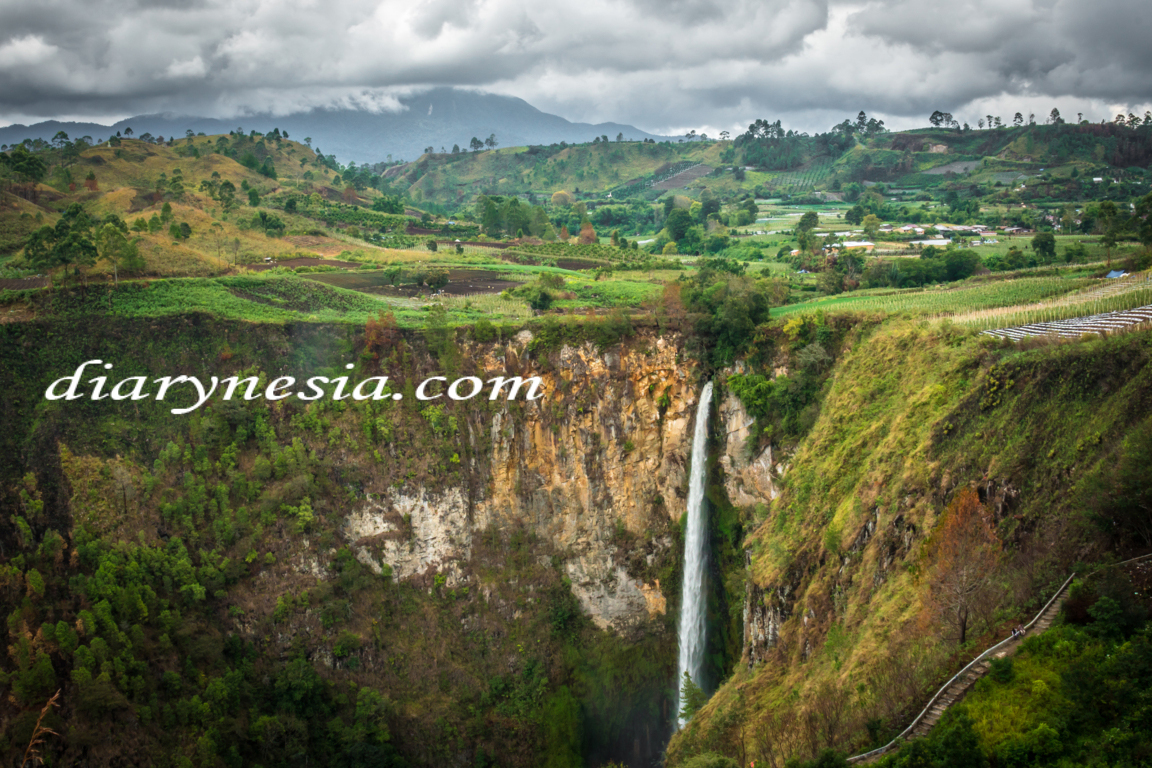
{"points": [[959, 687]]}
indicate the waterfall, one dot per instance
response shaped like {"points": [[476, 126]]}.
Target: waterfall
{"points": [[693, 606]]}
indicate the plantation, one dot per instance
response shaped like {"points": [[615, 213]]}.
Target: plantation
{"points": [[944, 301]]}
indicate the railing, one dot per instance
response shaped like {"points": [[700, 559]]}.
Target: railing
{"points": [[881, 750]]}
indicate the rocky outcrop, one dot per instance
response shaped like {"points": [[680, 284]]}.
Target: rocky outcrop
{"points": [[765, 611], [412, 533], [605, 447], [748, 479]]}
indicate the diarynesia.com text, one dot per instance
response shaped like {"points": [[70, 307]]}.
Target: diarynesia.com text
{"points": [[73, 387]]}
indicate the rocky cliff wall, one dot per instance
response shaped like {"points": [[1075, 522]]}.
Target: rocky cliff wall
{"points": [[599, 461]]}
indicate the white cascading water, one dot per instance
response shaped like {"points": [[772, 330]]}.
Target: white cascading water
{"points": [[692, 603]]}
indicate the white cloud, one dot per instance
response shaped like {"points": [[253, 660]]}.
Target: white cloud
{"points": [[660, 64], [26, 51], [194, 67]]}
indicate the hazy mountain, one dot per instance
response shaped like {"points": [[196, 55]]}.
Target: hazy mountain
{"points": [[437, 118]]}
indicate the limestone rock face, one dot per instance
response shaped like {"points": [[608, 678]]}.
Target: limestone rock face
{"points": [[602, 453], [748, 480], [412, 532]]}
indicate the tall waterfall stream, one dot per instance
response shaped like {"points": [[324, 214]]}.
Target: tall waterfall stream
{"points": [[693, 605]]}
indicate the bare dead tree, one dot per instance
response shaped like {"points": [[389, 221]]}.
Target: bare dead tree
{"points": [[966, 557], [39, 733], [774, 738]]}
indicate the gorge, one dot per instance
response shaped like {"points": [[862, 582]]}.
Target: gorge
{"points": [[502, 582]]}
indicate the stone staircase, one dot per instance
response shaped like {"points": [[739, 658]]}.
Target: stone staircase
{"points": [[956, 688], [961, 685]]}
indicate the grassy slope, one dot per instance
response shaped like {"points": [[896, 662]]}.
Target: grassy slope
{"points": [[912, 413], [589, 167], [126, 177]]}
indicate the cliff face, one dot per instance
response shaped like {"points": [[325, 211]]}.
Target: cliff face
{"points": [[603, 452], [484, 581]]}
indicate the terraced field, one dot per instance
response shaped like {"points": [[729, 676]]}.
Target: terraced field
{"points": [[801, 180], [684, 178], [1078, 326], [1094, 300]]}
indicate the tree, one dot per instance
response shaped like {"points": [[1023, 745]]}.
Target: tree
{"points": [[118, 250], [1018, 120], [226, 195], [808, 221], [491, 142], [68, 244], [1143, 220], [561, 199], [1044, 244], [936, 118], [1054, 117], [692, 698], [871, 225], [620, 136], [587, 234], [455, 149], [677, 223], [965, 555], [437, 277], [489, 215], [216, 232], [27, 169]]}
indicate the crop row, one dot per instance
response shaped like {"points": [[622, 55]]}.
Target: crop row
{"points": [[1058, 316], [636, 188], [340, 213], [575, 251], [799, 181], [947, 302]]}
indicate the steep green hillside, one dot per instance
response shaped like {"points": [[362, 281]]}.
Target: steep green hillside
{"points": [[845, 637]]}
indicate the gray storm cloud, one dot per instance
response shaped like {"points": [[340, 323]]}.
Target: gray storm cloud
{"points": [[660, 64]]}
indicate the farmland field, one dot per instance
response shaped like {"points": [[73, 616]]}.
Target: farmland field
{"points": [[943, 301]]}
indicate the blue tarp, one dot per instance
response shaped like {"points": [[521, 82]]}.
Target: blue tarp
{"points": [[1117, 273]]}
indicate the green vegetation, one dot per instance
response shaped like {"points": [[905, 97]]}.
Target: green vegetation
{"points": [[252, 584], [909, 411], [1076, 695], [183, 626]]}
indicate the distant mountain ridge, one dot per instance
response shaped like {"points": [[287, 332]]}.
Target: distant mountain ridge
{"points": [[438, 118]]}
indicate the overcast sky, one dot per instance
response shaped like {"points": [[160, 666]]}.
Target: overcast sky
{"points": [[662, 65]]}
